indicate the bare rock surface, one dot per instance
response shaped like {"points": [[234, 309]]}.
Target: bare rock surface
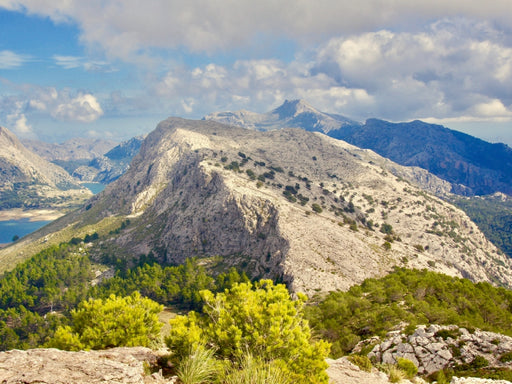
{"points": [[342, 371], [52, 366]]}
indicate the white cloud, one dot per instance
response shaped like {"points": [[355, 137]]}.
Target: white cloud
{"points": [[11, 60], [124, 28], [84, 108], [62, 105]]}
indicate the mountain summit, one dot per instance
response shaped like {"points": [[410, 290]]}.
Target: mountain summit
{"points": [[291, 114], [297, 206]]}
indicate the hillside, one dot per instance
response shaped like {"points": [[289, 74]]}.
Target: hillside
{"points": [[296, 206], [28, 181], [471, 165]]}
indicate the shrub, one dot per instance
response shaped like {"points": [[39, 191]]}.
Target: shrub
{"points": [[408, 367], [198, 367], [260, 319], [506, 357], [317, 208], [114, 322], [363, 362]]}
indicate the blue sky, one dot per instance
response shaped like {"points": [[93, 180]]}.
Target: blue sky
{"points": [[114, 69]]}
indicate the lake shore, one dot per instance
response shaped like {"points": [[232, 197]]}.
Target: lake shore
{"points": [[31, 215]]}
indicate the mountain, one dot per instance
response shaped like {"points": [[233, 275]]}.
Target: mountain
{"points": [[90, 160], [108, 167], [471, 165], [300, 207], [71, 150], [292, 114], [29, 181], [482, 167]]}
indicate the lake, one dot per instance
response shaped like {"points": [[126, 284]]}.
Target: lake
{"points": [[10, 228], [23, 227], [94, 187]]}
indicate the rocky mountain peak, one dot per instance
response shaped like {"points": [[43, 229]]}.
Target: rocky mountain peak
{"points": [[292, 108]]}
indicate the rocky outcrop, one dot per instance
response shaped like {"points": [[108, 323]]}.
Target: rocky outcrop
{"points": [[437, 347], [52, 366]]}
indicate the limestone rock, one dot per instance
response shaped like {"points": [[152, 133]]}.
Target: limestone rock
{"points": [[432, 353], [52, 366]]}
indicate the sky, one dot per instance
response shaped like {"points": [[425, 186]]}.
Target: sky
{"points": [[113, 69]]}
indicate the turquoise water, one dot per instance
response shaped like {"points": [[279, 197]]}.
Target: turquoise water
{"points": [[94, 187], [11, 228]]}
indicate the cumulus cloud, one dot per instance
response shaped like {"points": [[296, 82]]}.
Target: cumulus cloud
{"points": [[10, 60], [62, 105], [84, 108], [121, 27]]}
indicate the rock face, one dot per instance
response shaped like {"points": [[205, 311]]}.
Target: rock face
{"points": [[52, 366], [292, 205], [28, 181], [438, 347]]}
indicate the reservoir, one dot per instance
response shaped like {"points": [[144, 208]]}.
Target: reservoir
{"points": [[22, 227]]}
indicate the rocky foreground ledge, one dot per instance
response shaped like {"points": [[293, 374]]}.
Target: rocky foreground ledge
{"points": [[132, 366]]}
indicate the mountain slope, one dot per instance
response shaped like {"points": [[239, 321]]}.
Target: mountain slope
{"points": [[28, 181], [300, 207], [473, 166]]}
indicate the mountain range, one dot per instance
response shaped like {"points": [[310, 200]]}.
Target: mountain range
{"points": [[29, 181], [89, 160], [471, 165], [296, 206]]}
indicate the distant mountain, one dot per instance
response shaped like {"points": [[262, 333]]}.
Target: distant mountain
{"points": [[292, 114], [482, 167], [471, 165], [72, 149], [89, 160], [108, 167], [299, 207], [29, 181]]}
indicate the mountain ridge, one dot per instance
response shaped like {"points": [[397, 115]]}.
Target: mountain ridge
{"points": [[299, 207]]}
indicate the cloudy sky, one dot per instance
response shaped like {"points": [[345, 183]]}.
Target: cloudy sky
{"points": [[115, 68]]}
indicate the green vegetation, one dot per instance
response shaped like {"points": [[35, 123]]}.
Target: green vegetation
{"points": [[259, 319], [114, 322], [413, 296], [493, 216]]}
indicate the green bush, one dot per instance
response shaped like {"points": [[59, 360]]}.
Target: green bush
{"points": [[115, 322], [408, 367], [506, 357], [363, 362], [259, 319], [317, 208]]}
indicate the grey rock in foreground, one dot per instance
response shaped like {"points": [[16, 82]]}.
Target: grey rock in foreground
{"points": [[52, 366], [431, 352]]}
